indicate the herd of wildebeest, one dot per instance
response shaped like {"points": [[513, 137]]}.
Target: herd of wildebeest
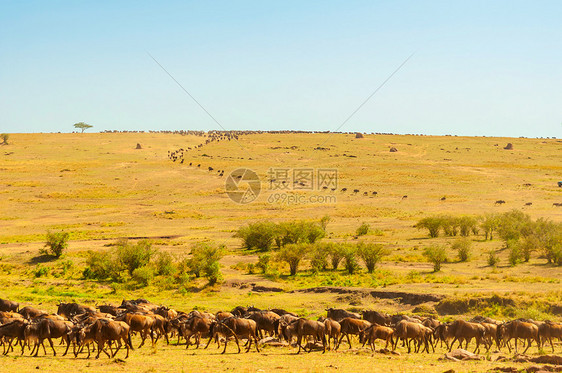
{"points": [[109, 326]]}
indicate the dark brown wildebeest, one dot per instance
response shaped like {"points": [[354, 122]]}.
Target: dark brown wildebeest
{"points": [[339, 314], [490, 335], [519, 329], [265, 320], [355, 191], [8, 305], [160, 327], [221, 315], [481, 319], [442, 333], [351, 325], [408, 331], [48, 329], [344, 189], [139, 323], [333, 331], [108, 331], [30, 312], [303, 328], [237, 328], [166, 312], [465, 331], [430, 322], [110, 309], [282, 312], [197, 326], [499, 202], [69, 310], [375, 317], [549, 330], [10, 331], [374, 332], [282, 323], [239, 311]]}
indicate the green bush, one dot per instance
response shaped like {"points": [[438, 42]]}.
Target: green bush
{"points": [[489, 223], [165, 264], [363, 229], [102, 266], [41, 271], [437, 255], [450, 225], [350, 259], [205, 261], [319, 258], [4, 137], [257, 236], [57, 243], [131, 256], [432, 224], [143, 275], [463, 247], [335, 251], [300, 231], [514, 254], [263, 262], [467, 224], [371, 254], [493, 258], [292, 254]]}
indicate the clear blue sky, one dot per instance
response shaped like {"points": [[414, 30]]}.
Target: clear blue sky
{"points": [[480, 67]]}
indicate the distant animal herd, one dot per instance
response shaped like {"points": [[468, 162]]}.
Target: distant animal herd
{"points": [[106, 327]]}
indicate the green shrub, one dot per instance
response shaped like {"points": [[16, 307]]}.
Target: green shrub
{"points": [[432, 224], [363, 229], [437, 255], [101, 266], [335, 251], [143, 275], [41, 271], [263, 262], [292, 254], [165, 264], [131, 256], [324, 222], [350, 259], [489, 223], [257, 236], [467, 224], [493, 258], [371, 254], [56, 243], [205, 261], [4, 137], [463, 247], [319, 258], [450, 225], [514, 254]]}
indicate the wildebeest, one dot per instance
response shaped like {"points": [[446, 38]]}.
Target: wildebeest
{"points": [[499, 202], [47, 329], [69, 310], [351, 325], [139, 323], [237, 328], [107, 331], [376, 331], [11, 330], [333, 331], [339, 314], [375, 317], [464, 331], [519, 329], [549, 330], [303, 327], [8, 305], [408, 331], [30, 312], [265, 320]]}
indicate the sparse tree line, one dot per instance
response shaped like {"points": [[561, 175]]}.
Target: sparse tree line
{"points": [[520, 233]]}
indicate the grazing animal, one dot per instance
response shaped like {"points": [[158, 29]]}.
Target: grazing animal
{"points": [[349, 326], [549, 330], [465, 331], [375, 317], [237, 328], [408, 331], [303, 327], [499, 202], [374, 332], [8, 305], [339, 314], [333, 331], [519, 330]]}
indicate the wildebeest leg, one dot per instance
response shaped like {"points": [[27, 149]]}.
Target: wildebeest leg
{"points": [[516, 345], [143, 336], [339, 342], [118, 347], [67, 344], [528, 344], [452, 344], [256, 342], [299, 340], [477, 346], [51, 343], [349, 341], [209, 342]]}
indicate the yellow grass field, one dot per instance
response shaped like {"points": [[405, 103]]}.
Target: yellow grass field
{"points": [[99, 187]]}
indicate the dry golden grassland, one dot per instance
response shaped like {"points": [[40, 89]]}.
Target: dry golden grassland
{"points": [[98, 187]]}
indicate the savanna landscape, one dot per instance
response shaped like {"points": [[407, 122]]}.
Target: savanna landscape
{"points": [[495, 210]]}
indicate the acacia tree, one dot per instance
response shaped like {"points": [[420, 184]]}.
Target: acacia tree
{"points": [[4, 137], [83, 126]]}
